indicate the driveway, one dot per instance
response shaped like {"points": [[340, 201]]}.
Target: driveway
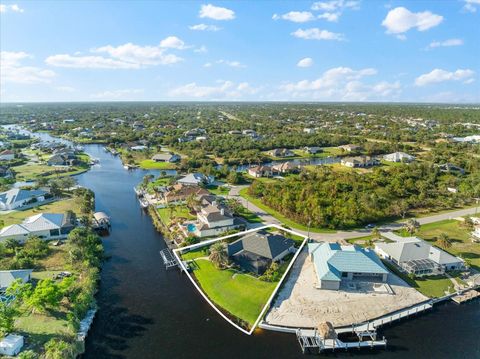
{"points": [[333, 237]]}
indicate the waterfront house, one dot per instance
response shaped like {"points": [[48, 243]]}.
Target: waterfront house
{"points": [[359, 161], [17, 198], [285, 167], [260, 171], [7, 155], [196, 179], [281, 152], [67, 158], [336, 264], [213, 219], [166, 157], [180, 192], [7, 277], [350, 148], [414, 255], [256, 251], [399, 157], [312, 150], [44, 225]]}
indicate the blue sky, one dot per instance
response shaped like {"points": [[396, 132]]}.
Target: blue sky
{"points": [[333, 50]]}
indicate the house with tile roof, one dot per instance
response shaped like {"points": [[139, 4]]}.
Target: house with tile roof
{"points": [[336, 264], [256, 251], [17, 198], [46, 226]]}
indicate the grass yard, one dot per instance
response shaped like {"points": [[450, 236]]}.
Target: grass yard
{"points": [[281, 217], [249, 216], [197, 253], [55, 207], [31, 172], [152, 165], [241, 295], [431, 286], [166, 214], [462, 244], [218, 190]]}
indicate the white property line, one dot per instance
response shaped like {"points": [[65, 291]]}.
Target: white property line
{"points": [[205, 243]]}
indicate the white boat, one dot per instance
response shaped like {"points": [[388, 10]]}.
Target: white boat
{"points": [[143, 202]]}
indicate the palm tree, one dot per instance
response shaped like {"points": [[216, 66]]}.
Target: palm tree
{"points": [[444, 241], [218, 256], [411, 226], [376, 233]]}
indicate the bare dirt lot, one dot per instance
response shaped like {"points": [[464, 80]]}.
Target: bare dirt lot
{"points": [[300, 304]]}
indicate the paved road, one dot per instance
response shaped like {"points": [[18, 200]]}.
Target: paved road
{"points": [[332, 237]]}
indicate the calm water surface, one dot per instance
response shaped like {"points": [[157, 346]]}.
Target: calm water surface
{"points": [[148, 312]]}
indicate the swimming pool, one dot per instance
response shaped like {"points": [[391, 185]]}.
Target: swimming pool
{"points": [[191, 227]]}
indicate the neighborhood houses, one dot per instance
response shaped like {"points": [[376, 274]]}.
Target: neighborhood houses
{"points": [[166, 157], [398, 157], [359, 161]]}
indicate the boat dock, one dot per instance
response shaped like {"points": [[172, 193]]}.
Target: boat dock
{"points": [[311, 341], [466, 296], [168, 258]]}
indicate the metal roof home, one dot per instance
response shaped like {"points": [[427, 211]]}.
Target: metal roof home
{"points": [[16, 196], [334, 263], [7, 277], [196, 179], [165, 157], [398, 157]]}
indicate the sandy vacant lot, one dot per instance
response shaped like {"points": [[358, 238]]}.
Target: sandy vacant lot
{"points": [[300, 304]]}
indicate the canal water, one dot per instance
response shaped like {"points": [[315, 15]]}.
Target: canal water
{"points": [[148, 312]]}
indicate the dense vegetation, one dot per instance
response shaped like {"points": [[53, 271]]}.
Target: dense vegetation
{"points": [[328, 198]]}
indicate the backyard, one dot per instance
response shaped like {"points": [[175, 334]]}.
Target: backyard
{"points": [[30, 172], [242, 295], [166, 214], [152, 165]]}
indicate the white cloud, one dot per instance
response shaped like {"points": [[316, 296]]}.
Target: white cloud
{"points": [[317, 34], [471, 5], [13, 8], [201, 50], [13, 71], [224, 90], [117, 94], [216, 13], [439, 75], [172, 42], [330, 16], [445, 43], [295, 16], [400, 20], [88, 62], [207, 64], [204, 27], [126, 56], [236, 64], [305, 62], [332, 10], [342, 83]]}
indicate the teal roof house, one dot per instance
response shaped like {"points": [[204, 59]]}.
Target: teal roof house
{"points": [[335, 264]]}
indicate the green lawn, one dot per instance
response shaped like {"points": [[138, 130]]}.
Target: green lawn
{"points": [[152, 165], [42, 327], [431, 286], [241, 295], [179, 211], [218, 190], [31, 172], [249, 216], [462, 244], [197, 253], [281, 217], [55, 207]]}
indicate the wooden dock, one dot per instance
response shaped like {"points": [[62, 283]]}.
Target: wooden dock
{"points": [[466, 296]]}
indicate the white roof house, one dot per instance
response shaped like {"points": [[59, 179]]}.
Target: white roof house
{"points": [[7, 277], [195, 179], [43, 225], [398, 157], [11, 345], [17, 197], [413, 252]]}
